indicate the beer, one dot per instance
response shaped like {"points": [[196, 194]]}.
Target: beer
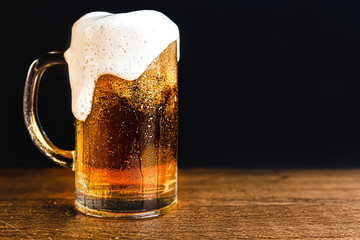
{"points": [[123, 78], [126, 149]]}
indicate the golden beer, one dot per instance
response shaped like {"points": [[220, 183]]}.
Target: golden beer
{"points": [[126, 149], [124, 97]]}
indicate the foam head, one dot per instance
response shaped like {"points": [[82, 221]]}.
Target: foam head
{"points": [[122, 44]]}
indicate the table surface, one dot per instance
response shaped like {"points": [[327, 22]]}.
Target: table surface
{"points": [[213, 204]]}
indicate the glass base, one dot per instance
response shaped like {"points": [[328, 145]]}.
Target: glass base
{"points": [[123, 214]]}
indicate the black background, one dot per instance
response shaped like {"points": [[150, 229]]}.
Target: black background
{"points": [[262, 83]]}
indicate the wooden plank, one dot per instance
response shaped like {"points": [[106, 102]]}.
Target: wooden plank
{"points": [[214, 204]]}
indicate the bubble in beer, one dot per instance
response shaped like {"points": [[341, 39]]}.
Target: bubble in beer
{"points": [[123, 45]]}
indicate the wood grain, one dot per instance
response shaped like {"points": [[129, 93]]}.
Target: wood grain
{"points": [[214, 204]]}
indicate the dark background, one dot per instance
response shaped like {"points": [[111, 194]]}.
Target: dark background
{"points": [[262, 83]]}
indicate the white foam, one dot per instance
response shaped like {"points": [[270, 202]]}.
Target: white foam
{"points": [[120, 44]]}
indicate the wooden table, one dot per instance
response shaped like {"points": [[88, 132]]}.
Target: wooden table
{"points": [[214, 204]]}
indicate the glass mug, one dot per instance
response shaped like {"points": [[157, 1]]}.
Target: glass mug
{"points": [[125, 157]]}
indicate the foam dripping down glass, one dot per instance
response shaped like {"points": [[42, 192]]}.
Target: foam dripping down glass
{"points": [[123, 77]]}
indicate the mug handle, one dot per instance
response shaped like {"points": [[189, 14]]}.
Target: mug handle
{"points": [[64, 158]]}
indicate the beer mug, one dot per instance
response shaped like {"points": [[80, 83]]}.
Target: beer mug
{"points": [[125, 103]]}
